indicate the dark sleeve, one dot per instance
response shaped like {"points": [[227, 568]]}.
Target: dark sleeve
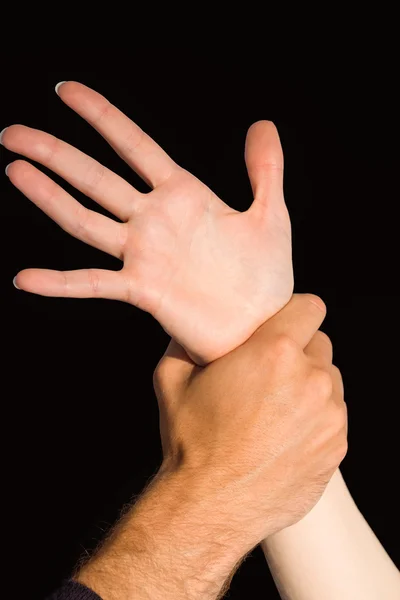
{"points": [[71, 590]]}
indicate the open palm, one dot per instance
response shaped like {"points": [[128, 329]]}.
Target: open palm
{"points": [[209, 274]]}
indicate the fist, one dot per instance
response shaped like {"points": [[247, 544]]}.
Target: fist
{"points": [[259, 432]]}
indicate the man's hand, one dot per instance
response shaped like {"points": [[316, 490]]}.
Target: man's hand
{"points": [[189, 259], [249, 442], [262, 429]]}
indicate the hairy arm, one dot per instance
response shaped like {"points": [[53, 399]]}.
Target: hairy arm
{"points": [[223, 487], [173, 544], [195, 265], [332, 553]]}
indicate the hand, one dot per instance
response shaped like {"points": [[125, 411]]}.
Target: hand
{"points": [[260, 431], [189, 259]]}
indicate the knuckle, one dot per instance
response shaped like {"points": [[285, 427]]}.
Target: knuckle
{"points": [[103, 110], [160, 375], [321, 383], [130, 292], [133, 140], [338, 379], [52, 145], [67, 288], [338, 419], [94, 281], [157, 375], [344, 416], [94, 175], [344, 447], [341, 450], [122, 237], [324, 338], [81, 221], [268, 165], [345, 413], [284, 347]]}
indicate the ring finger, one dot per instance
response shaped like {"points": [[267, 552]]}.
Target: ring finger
{"points": [[79, 169], [86, 225]]}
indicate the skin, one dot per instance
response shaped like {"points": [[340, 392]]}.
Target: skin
{"points": [[214, 499], [210, 276], [189, 259], [332, 553]]}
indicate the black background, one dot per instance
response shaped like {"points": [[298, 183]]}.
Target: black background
{"points": [[80, 421]]}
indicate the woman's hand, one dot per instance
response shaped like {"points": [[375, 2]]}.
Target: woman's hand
{"points": [[209, 274]]}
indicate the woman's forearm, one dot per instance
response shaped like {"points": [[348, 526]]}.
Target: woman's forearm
{"points": [[332, 554]]}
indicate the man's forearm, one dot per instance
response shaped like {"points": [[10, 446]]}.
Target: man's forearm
{"points": [[332, 553], [173, 544]]}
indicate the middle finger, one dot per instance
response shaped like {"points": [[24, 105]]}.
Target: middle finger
{"points": [[79, 169]]}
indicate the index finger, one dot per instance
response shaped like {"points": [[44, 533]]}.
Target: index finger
{"points": [[299, 320]]}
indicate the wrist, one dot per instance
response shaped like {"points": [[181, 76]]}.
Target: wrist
{"points": [[335, 499], [174, 543]]}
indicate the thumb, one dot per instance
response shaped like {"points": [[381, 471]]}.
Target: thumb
{"points": [[299, 320], [264, 162]]}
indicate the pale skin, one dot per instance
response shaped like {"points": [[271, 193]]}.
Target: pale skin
{"points": [[188, 258], [211, 276], [332, 553]]}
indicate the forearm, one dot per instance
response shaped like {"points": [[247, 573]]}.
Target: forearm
{"points": [[171, 545], [332, 553]]}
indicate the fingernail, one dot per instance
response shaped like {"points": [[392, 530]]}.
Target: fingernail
{"points": [[15, 285], [2, 133], [7, 167], [59, 85]]}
